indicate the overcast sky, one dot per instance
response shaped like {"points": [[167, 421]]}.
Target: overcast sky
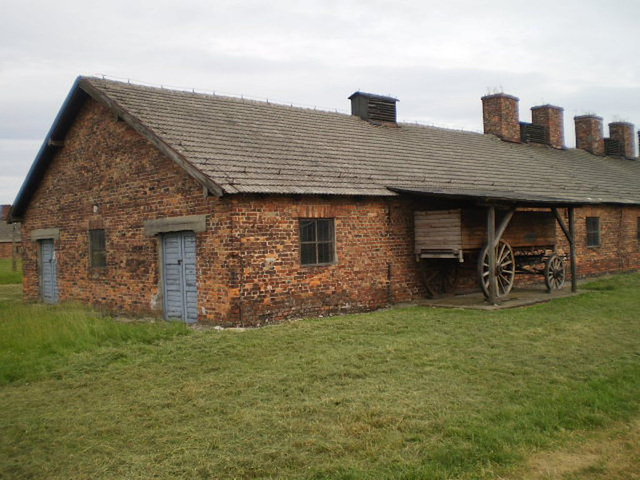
{"points": [[437, 57]]}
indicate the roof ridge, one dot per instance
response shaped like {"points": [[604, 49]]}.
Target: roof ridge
{"points": [[212, 94]]}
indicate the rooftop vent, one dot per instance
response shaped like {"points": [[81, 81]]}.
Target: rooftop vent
{"points": [[613, 148], [373, 108], [530, 133]]}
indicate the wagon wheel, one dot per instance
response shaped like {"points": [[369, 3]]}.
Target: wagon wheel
{"points": [[439, 276], [505, 269], [554, 272]]}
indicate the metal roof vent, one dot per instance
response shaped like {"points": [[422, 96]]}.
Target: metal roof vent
{"points": [[530, 133], [373, 108]]}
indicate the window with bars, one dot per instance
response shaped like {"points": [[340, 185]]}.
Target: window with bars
{"points": [[97, 248], [593, 231], [317, 241]]}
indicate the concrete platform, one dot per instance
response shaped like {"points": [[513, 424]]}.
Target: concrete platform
{"points": [[518, 297]]}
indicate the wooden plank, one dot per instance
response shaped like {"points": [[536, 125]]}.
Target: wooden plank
{"points": [[436, 230], [526, 229]]}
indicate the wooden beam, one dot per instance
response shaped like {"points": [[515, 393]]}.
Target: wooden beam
{"points": [[503, 226], [569, 232], [491, 235], [563, 225]]}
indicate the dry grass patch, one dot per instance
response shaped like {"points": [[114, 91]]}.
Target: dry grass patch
{"points": [[609, 454]]}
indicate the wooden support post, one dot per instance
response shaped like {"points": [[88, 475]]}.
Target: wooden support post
{"points": [[570, 233], [491, 235], [572, 250]]}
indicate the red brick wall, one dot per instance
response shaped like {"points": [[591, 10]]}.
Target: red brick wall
{"points": [[374, 263], [619, 249], [248, 265], [108, 175], [5, 250]]}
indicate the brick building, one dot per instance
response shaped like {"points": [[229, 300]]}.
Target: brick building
{"points": [[236, 212], [9, 234]]}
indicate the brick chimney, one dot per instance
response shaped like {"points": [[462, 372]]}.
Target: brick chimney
{"points": [[552, 119], [500, 116], [373, 108], [622, 132], [589, 134]]}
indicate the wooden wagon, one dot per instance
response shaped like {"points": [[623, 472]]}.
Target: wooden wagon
{"points": [[446, 238]]}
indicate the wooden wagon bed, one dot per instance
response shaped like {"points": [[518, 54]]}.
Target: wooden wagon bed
{"points": [[527, 244]]}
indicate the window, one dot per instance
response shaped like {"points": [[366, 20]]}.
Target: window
{"points": [[317, 244], [593, 231], [97, 249], [638, 230]]}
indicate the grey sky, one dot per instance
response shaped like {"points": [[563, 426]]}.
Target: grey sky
{"points": [[437, 57]]}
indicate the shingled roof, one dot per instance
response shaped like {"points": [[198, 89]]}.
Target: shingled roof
{"points": [[236, 146]]}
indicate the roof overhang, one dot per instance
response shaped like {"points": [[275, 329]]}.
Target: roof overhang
{"points": [[493, 197]]}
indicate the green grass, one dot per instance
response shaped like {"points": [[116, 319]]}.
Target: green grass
{"points": [[36, 340], [7, 275], [413, 393]]}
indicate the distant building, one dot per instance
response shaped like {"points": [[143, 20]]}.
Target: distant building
{"points": [[10, 234], [237, 212]]}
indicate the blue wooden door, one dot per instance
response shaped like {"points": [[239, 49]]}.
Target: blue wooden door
{"points": [[48, 272], [179, 272]]}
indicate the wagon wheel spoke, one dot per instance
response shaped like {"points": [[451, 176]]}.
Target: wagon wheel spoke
{"points": [[429, 278], [450, 277], [439, 276], [554, 272], [503, 255], [504, 284], [504, 270]]}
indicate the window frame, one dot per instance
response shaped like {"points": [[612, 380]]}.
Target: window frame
{"points": [[317, 242], [593, 235], [97, 248]]}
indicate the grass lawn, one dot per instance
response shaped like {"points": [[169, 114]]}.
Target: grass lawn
{"points": [[7, 275], [412, 393]]}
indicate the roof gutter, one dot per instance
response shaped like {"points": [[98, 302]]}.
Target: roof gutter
{"points": [[497, 198]]}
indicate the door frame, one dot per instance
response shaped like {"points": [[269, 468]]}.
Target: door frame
{"points": [[183, 276], [55, 295]]}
